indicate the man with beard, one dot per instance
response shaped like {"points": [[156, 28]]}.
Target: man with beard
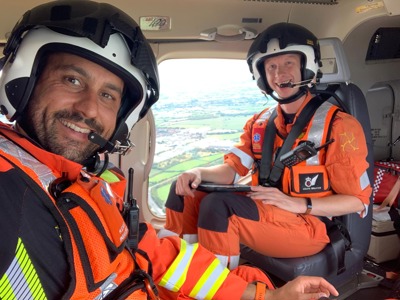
{"points": [[77, 75]]}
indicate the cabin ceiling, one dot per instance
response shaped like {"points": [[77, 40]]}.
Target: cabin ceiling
{"points": [[193, 19]]}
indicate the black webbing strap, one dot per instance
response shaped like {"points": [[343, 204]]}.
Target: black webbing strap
{"points": [[338, 234], [268, 176], [267, 149], [339, 240]]}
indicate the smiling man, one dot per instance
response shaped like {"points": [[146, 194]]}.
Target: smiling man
{"points": [[72, 98], [77, 75]]}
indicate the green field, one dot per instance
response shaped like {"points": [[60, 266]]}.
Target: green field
{"points": [[163, 173], [161, 177]]}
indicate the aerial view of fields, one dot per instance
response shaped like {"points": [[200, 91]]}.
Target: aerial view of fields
{"points": [[196, 126]]}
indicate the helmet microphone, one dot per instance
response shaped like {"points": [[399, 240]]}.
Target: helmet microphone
{"points": [[292, 85], [107, 146]]}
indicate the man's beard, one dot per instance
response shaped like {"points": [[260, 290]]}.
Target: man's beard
{"points": [[46, 135]]}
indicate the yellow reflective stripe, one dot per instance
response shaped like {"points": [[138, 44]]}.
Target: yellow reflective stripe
{"points": [[21, 280], [6, 291], [109, 176], [30, 274], [210, 281], [175, 276]]}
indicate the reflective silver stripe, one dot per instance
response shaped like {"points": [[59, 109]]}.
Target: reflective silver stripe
{"points": [[176, 274], [364, 213], [21, 281], [21, 276], [44, 173], [107, 287], [237, 177], [210, 281], [316, 131], [266, 115], [364, 180], [17, 281], [245, 159]]}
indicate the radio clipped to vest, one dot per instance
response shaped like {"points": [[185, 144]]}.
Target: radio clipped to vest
{"points": [[302, 152], [271, 176], [131, 214]]}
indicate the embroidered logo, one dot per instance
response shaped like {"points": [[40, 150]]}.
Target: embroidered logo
{"points": [[257, 137], [348, 142], [311, 183]]}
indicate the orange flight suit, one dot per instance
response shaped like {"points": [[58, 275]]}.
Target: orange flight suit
{"points": [[223, 221]]}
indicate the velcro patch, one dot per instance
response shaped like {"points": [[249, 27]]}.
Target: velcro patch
{"points": [[311, 183]]}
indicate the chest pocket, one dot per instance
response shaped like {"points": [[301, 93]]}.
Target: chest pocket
{"points": [[309, 181]]}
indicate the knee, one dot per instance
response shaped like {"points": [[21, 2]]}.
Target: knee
{"points": [[214, 212], [217, 208], [214, 205]]}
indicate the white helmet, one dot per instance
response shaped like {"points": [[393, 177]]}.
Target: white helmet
{"points": [[283, 38], [95, 31]]}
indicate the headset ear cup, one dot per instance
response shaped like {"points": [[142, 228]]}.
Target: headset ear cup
{"points": [[308, 74], [261, 84], [262, 79]]}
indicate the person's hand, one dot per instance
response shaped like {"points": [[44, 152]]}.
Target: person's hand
{"points": [[273, 196], [303, 288], [187, 182]]}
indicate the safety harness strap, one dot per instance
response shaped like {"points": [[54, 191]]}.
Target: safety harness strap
{"points": [[267, 149], [340, 240], [337, 232], [271, 177]]}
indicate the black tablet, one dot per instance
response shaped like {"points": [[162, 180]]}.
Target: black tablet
{"points": [[215, 187]]}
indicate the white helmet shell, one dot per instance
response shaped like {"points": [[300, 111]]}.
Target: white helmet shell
{"points": [[284, 38], [23, 67], [95, 31], [310, 66]]}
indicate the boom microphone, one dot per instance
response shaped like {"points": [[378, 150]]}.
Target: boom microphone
{"points": [[292, 85], [108, 146], [99, 140]]}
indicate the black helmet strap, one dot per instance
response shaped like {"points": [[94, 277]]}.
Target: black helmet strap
{"points": [[301, 92]]}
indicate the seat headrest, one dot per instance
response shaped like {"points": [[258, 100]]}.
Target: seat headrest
{"points": [[335, 68]]}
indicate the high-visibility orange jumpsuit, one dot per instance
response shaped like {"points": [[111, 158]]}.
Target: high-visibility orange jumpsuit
{"points": [[63, 237], [223, 221]]}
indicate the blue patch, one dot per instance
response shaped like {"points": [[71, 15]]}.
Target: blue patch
{"points": [[105, 194], [257, 137]]}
